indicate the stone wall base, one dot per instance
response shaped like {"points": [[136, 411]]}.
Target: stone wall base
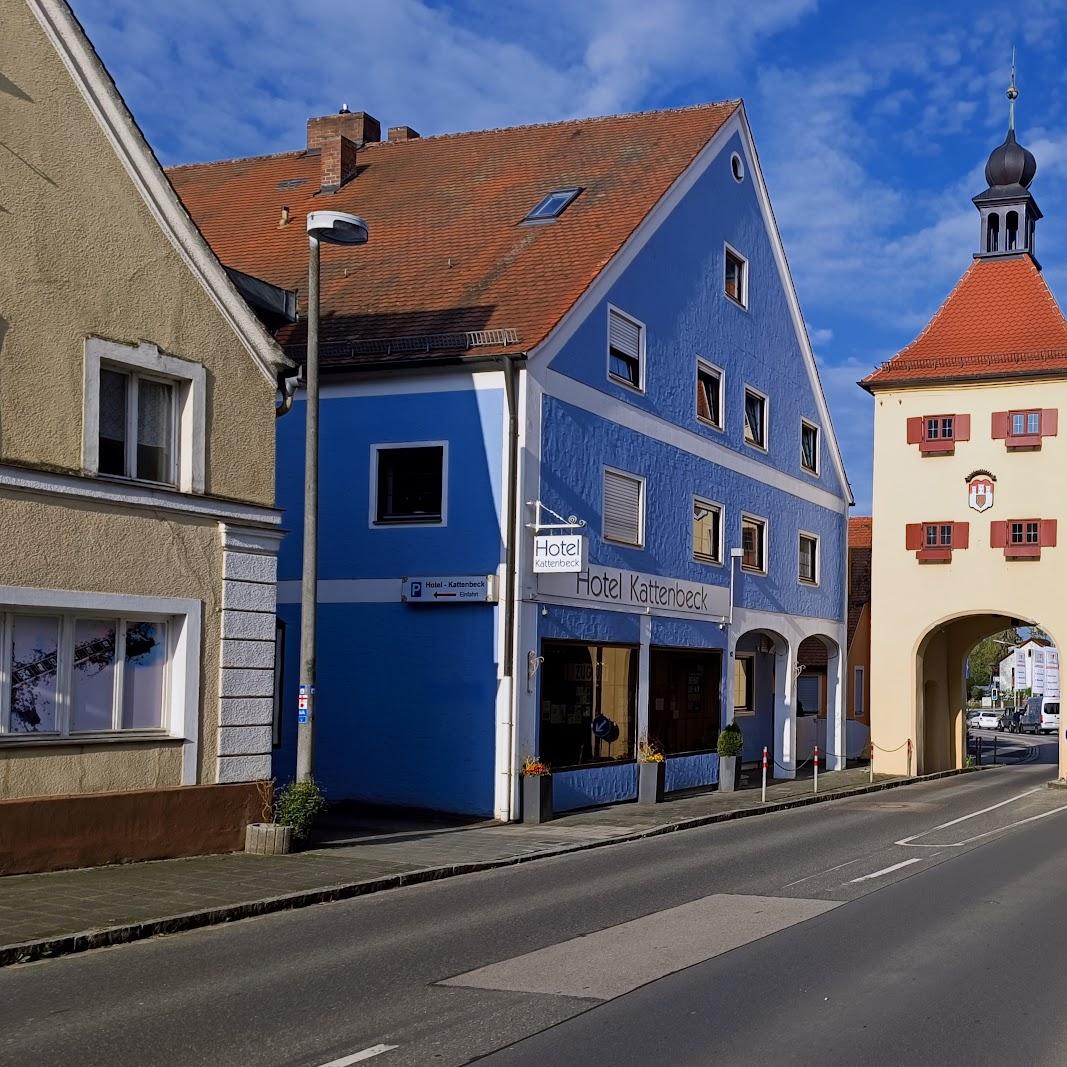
{"points": [[93, 829]]}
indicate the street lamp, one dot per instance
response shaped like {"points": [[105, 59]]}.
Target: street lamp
{"points": [[335, 228]]}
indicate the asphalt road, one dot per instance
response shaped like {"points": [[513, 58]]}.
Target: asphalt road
{"points": [[918, 925]]}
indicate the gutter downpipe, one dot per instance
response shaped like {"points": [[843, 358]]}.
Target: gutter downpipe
{"points": [[510, 369]]}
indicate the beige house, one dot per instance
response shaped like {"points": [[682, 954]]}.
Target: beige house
{"points": [[138, 555], [970, 477]]}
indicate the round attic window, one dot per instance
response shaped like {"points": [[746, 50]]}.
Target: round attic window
{"points": [[737, 167]]}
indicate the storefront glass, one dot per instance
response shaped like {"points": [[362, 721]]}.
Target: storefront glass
{"points": [[588, 704], [683, 715]]}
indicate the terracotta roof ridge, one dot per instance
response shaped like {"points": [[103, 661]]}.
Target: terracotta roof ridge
{"points": [[236, 159], [1036, 355]]}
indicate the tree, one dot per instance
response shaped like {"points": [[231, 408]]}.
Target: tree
{"points": [[985, 657]]}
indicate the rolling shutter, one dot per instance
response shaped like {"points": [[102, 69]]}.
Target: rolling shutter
{"points": [[624, 335], [623, 508]]}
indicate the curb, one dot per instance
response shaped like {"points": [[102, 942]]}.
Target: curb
{"points": [[68, 944]]}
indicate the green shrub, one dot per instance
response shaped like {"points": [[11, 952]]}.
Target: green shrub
{"points": [[731, 740], [298, 804]]}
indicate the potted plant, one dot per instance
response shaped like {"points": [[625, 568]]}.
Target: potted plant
{"points": [[729, 746], [536, 790], [288, 815], [651, 772]]}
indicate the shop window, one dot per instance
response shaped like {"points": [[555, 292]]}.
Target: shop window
{"points": [[809, 447], [624, 508], [709, 394], [744, 684], [753, 544], [410, 484], [588, 704], [1023, 431], [755, 419], [809, 559], [63, 675], [626, 350], [683, 714], [736, 278], [707, 531]]}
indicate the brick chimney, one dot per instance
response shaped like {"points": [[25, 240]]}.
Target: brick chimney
{"points": [[402, 133], [338, 138]]}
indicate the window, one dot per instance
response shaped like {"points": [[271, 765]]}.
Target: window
{"points": [[810, 687], [938, 434], [936, 541], [809, 558], [744, 684], [64, 675], [939, 535], [755, 418], [1024, 430], [624, 508], [709, 394], [553, 205], [736, 278], [588, 704], [410, 483], [145, 414], [859, 692], [753, 544], [737, 167], [809, 447], [626, 349], [279, 682], [940, 428], [707, 531], [1022, 538], [1026, 424], [684, 700], [1025, 533]]}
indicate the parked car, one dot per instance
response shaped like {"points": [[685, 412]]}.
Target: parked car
{"points": [[972, 717], [989, 719], [1040, 716], [1050, 717]]}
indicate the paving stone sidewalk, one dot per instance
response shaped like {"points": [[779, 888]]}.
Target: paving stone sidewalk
{"points": [[67, 911]]}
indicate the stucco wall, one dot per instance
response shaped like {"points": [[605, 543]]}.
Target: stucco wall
{"points": [[78, 545], [910, 599], [82, 256]]}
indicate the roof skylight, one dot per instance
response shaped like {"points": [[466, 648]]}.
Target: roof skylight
{"points": [[553, 205]]}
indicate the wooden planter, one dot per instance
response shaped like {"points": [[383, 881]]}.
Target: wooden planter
{"points": [[650, 779], [729, 774], [537, 798], [268, 839]]}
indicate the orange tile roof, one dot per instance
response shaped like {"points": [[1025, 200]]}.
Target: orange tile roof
{"points": [[859, 531], [447, 253], [1000, 321]]}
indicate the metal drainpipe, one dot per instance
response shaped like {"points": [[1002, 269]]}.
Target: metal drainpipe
{"points": [[510, 368]]}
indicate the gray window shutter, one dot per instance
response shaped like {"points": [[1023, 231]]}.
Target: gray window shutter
{"points": [[622, 508], [625, 336]]}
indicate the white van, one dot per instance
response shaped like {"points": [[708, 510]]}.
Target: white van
{"points": [[1040, 716]]}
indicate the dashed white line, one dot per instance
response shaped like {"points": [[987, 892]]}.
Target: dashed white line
{"points": [[885, 870], [964, 818], [359, 1057], [830, 870]]}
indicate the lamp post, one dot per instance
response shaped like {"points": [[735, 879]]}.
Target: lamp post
{"points": [[336, 228]]}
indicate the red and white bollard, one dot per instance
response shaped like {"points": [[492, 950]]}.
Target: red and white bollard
{"points": [[764, 798], [816, 768]]}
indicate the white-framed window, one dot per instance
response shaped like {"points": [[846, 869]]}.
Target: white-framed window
{"points": [[144, 415], [754, 544], [735, 277], [409, 484], [809, 447], [707, 531], [709, 394], [626, 349], [624, 508], [744, 684], [96, 666], [737, 167], [858, 692], [755, 418], [808, 570]]}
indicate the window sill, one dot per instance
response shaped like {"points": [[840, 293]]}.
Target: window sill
{"points": [[615, 380], [622, 544], [12, 740], [934, 555], [810, 583], [121, 479], [757, 446], [937, 448], [808, 471], [385, 524], [1029, 443], [736, 303], [754, 570], [1022, 551], [707, 562], [718, 427]]}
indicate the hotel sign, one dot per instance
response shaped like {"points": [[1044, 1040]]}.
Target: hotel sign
{"points": [[633, 591], [553, 553]]}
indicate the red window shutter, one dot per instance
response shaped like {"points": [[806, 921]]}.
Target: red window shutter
{"points": [[961, 430], [961, 534], [915, 431], [913, 536], [998, 532], [1049, 422], [1000, 425], [1047, 533]]}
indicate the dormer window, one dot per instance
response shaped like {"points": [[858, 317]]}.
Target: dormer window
{"points": [[553, 205]]}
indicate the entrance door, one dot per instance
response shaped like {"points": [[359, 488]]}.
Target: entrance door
{"points": [[684, 688]]}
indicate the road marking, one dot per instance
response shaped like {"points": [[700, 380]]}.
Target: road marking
{"points": [[886, 870], [831, 870], [964, 818], [998, 830], [359, 1057]]}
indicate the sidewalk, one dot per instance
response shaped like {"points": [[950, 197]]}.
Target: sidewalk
{"points": [[69, 911]]}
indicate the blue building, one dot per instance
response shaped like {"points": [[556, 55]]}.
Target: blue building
{"points": [[578, 330]]}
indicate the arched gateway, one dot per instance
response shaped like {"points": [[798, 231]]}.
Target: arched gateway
{"points": [[970, 474]]}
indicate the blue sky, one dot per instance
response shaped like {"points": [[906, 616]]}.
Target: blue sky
{"points": [[873, 122]]}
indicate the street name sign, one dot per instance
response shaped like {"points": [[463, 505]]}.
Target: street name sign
{"points": [[553, 553], [449, 589]]}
